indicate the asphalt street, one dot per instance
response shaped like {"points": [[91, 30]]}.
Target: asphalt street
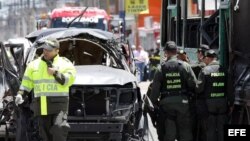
{"points": [[152, 132]]}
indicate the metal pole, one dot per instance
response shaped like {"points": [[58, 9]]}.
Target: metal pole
{"points": [[28, 2], [34, 4], [122, 15], [108, 6], [178, 23], [137, 42], [184, 35], [169, 16], [216, 6], [202, 18]]}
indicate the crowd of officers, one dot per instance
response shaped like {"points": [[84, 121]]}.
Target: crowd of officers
{"points": [[191, 103]]}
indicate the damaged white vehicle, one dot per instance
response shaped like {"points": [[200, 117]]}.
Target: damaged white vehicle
{"points": [[105, 100]]}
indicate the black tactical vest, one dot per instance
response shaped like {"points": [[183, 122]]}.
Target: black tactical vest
{"points": [[215, 86], [173, 81]]}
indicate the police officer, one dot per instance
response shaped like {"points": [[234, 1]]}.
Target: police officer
{"points": [[197, 130], [200, 57], [182, 55], [50, 77], [156, 116], [171, 85], [154, 60], [211, 89]]}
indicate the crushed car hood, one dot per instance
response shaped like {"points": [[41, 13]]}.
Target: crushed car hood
{"points": [[102, 75], [42, 33], [73, 32]]}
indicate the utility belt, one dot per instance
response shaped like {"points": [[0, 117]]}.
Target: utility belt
{"points": [[173, 93]]}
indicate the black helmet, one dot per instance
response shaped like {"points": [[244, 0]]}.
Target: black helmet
{"points": [[210, 53], [170, 46]]}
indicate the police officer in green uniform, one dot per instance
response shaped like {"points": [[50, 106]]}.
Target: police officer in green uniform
{"points": [[200, 56], [156, 115], [212, 92], [154, 60], [171, 85], [182, 55], [50, 77], [197, 67]]}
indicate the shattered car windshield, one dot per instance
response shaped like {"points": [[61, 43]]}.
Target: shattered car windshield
{"points": [[84, 52]]}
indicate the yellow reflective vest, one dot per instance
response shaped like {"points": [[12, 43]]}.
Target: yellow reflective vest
{"points": [[44, 85]]}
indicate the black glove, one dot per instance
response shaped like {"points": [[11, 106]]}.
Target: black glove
{"points": [[49, 64], [154, 114]]}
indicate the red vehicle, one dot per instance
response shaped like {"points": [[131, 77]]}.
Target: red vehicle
{"points": [[92, 18]]}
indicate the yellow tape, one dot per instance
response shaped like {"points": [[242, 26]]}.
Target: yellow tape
{"points": [[43, 102]]}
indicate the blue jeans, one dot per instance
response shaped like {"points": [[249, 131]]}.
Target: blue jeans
{"points": [[141, 67]]}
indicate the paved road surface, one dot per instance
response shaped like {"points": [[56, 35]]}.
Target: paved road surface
{"points": [[144, 87], [153, 135]]}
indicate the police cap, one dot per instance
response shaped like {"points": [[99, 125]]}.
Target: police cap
{"points": [[181, 51], [50, 44], [170, 46], [203, 48], [210, 53]]}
